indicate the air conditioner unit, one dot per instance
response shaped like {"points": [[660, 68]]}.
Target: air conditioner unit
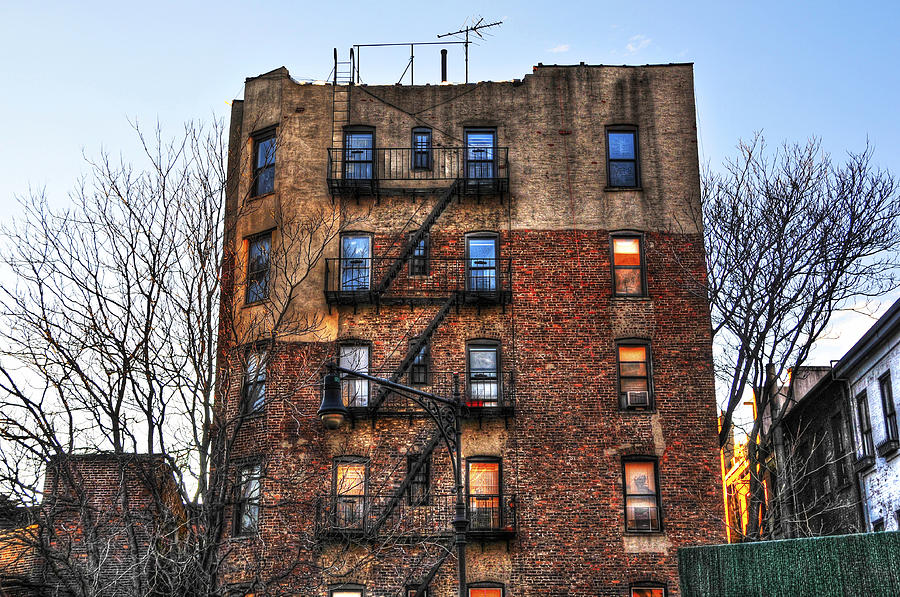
{"points": [[637, 398]]}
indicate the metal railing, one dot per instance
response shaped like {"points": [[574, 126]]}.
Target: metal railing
{"points": [[483, 397], [353, 280], [429, 515], [482, 169]]}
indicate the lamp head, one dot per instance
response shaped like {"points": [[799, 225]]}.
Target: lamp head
{"points": [[332, 411]]}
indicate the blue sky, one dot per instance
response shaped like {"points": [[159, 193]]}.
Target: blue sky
{"points": [[75, 73]]}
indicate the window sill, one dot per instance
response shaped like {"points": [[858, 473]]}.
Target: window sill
{"points": [[644, 533], [632, 297], [609, 189], [258, 197], [254, 416], [255, 303], [888, 447], [637, 411], [864, 463]]}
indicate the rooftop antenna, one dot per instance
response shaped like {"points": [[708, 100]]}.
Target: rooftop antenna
{"points": [[473, 29]]}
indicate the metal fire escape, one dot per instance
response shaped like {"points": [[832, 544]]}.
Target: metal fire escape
{"points": [[385, 284]]}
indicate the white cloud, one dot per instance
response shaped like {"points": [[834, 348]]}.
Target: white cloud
{"points": [[559, 48], [637, 42]]}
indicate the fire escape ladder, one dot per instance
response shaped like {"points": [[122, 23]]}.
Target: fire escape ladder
{"points": [[447, 544], [413, 351], [404, 486], [407, 250], [340, 104]]}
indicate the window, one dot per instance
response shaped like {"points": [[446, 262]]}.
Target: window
{"points": [[263, 163], [481, 145], [648, 590], [356, 262], [258, 258], [486, 589], [634, 375], [483, 388], [254, 393], [358, 153], [417, 493], [622, 157], [350, 480], [887, 402], [485, 494], [628, 265], [411, 592], [348, 591], [419, 368], [878, 525], [246, 509], [421, 149], [641, 496], [418, 261], [865, 425], [481, 262], [839, 446], [356, 358]]}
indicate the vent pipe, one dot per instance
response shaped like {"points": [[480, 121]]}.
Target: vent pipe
{"points": [[443, 66]]}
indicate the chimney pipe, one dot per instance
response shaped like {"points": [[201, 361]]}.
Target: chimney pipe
{"points": [[443, 66]]}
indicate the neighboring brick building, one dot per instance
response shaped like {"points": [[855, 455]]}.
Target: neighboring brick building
{"points": [[843, 441], [533, 236]]}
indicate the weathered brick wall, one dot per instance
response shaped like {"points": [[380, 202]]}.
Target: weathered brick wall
{"points": [[562, 450]]}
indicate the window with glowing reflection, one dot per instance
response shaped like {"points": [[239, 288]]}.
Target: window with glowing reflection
{"points": [[641, 496], [628, 265], [350, 477], [635, 391], [485, 494]]}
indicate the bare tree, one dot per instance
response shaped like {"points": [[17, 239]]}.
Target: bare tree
{"points": [[121, 336], [792, 237]]}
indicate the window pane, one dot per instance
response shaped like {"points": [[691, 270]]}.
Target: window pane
{"points": [[355, 262], [647, 592], [634, 370], [356, 358], [265, 152], [633, 354], [255, 381], [482, 248], [641, 514], [486, 592], [627, 251], [482, 263], [622, 174], [621, 145], [346, 594], [480, 154], [639, 478], [634, 385], [358, 155], [258, 268], [351, 479], [484, 478], [628, 281]]}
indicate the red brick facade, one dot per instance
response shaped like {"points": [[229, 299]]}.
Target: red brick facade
{"points": [[561, 447]]}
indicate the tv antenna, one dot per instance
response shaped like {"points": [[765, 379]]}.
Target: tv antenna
{"points": [[480, 24]]}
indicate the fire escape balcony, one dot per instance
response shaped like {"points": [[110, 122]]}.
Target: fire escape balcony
{"points": [[484, 395], [362, 171], [491, 517], [352, 281]]}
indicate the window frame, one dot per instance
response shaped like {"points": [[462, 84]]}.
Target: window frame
{"points": [[347, 587], [363, 497], [490, 160], [641, 267], [500, 496], [345, 378], [424, 499], [623, 398], [428, 152], [422, 375], [658, 494], [839, 449], [420, 264], [483, 235], [342, 260], [262, 273], [648, 585], [412, 589], [358, 129], [247, 384], [866, 439], [623, 128], [888, 406], [258, 138], [241, 503], [485, 585], [482, 344]]}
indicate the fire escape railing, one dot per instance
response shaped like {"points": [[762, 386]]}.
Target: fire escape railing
{"points": [[350, 281], [490, 516], [481, 170], [481, 397]]}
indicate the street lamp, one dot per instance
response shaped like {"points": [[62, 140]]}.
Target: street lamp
{"points": [[446, 414]]}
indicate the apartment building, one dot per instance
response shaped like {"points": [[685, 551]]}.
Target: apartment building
{"points": [[526, 251]]}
